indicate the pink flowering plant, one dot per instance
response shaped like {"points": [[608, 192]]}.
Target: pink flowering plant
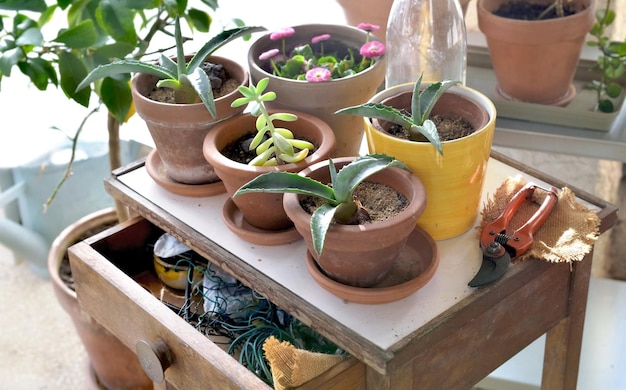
{"points": [[314, 62]]}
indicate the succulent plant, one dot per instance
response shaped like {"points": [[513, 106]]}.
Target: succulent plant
{"points": [[417, 123], [339, 206]]}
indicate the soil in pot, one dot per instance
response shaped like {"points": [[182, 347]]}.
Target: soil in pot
{"points": [[448, 127], [221, 82], [526, 11], [379, 202]]}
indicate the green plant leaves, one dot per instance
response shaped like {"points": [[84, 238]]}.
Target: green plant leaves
{"points": [[72, 71], [116, 96], [82, 36]]}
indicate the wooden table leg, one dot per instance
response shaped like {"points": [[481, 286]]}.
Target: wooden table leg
{"points": [[564, 341]]}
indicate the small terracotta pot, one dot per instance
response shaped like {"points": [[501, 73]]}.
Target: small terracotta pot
{"points": [[535, 61], [263, 210], [115, 365], [178, 130], [361, 255], [453, 181], [322, 99]]}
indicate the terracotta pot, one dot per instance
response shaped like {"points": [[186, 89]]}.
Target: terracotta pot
{"points": [[263, 210], [453, 181], [374, 12], [322, 99], [361, 255], [178, 130], [535, 61], [115, 365]]}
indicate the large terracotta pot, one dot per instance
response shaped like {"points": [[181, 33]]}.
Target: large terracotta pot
{"points": [[263, 210], [453, 181], [322, 99], [374, 12], [535, 61], [361, 255], [178, 130], [114, 364]]}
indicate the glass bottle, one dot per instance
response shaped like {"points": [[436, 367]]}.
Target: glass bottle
{"points": [[425, 37]]}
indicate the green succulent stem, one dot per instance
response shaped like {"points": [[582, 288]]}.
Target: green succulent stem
{"points": [[418, 123]]}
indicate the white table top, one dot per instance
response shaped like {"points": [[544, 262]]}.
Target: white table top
{"points": [[383, 325]]}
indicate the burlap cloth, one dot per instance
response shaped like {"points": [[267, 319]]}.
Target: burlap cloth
{"points": [[566, 236], [292, 367]]}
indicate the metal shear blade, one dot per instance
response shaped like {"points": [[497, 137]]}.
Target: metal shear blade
{"points": [[498, 247]]}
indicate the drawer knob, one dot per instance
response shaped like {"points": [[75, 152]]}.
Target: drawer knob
{"points": [[154, 358]]}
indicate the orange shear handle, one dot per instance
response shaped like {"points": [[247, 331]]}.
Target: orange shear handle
{"points": [[522, 239]]}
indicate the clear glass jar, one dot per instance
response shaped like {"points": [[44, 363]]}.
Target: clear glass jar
{"points": [[425, 37]]}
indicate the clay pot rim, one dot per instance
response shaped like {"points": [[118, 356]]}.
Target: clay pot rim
{"points": [[415, 207], [516, 29], [211, 150], [479, 98], [230, 64], [65, 238], [255, 51]]}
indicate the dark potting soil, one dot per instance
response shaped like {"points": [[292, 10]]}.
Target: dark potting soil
{"points": [[221, 84], [522, 10], [448, 127], [379, 201]]}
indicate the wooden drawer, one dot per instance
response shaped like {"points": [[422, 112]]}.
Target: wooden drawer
{"points": [[104, 266]]}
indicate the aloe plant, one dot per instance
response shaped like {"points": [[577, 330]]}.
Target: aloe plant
{"points": [[188, 80], [339, 205], [417, 123], [273, 145]]}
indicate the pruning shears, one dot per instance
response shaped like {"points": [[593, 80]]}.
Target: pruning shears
{"points": [[499, 246]]}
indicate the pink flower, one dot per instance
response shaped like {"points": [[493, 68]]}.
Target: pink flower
{"points": [[372, 49], [318, 75], [368, 27], [320, 38], [268, 54], [282, 33]]}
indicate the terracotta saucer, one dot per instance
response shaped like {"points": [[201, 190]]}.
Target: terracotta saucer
{"points": [[157, 172], [562, 102], [415, 266], [237, 224]]}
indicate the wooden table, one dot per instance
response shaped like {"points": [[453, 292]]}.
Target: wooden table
{"points": [[446, 335]]}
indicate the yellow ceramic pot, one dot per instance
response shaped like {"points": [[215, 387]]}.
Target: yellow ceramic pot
{"points": [[453, 181]]}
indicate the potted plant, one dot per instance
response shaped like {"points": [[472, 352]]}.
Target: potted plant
{"points": [[247, 145], [452, 168], [356, 221], [341, 74], [179, 122], [535, 57]]}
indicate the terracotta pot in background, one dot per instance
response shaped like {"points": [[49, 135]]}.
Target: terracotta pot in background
{"points": [[263, 210], [178, 130], [116, 366], [361, 255], [535, 61], [374, 12], [453, 181], [322, 99]]}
